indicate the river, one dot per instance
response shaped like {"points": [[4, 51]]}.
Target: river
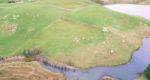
{"points": [[130, 71], [131, 9]]}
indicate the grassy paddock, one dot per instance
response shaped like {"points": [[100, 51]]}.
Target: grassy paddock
{"points": [[102, 17], [29, 20], [85, 36]]}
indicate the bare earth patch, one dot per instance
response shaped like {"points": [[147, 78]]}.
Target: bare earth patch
{"points": [[8, 28]]}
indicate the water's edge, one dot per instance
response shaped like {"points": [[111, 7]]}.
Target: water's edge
{"points": [[131, 9], [126, 71]]}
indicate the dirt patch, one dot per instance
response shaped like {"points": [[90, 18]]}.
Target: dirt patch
{"points": [[8, 28]]}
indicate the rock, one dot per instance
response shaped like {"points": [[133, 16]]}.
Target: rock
{"points": [[145, 25], [83, 38], [104, 42], [108, 78], [76, 40], [123, 41], [4, 17], [105, 29], [111, 51], [37, 15], [16, 16]]}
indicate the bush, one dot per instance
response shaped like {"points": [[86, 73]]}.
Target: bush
{"points": [[98, 1], [26, 53], [32, 52], [11, 1], [35, 51], [147, 72]]}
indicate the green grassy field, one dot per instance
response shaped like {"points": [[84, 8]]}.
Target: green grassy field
{"points": [[80, 33], [147, 2], [28, 18]]}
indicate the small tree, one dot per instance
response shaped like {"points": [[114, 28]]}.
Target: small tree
{"points": [[147, 72], [26, 53], [32, 52]]}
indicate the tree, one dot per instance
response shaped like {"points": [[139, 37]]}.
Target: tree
{"points": [[147, 72]]}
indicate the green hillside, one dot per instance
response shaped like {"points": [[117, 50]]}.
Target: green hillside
{"points": [[147, 2], [80, 33]]}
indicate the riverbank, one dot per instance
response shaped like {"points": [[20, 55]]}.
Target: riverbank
{"points": [[131, 9], [142, 77], [129, 71], [16, 67], [122, 1], [125, 10]]}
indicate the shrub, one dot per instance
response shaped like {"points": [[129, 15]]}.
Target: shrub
{"points": [[35, 51], [32, 52], [11, 1], [147, 72], [26, 53]]}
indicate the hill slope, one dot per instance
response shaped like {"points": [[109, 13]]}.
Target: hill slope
{"points": [[81, 33]]}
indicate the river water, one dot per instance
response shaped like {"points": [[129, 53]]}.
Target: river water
{"points": [[132, 9], [131, 70]]}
